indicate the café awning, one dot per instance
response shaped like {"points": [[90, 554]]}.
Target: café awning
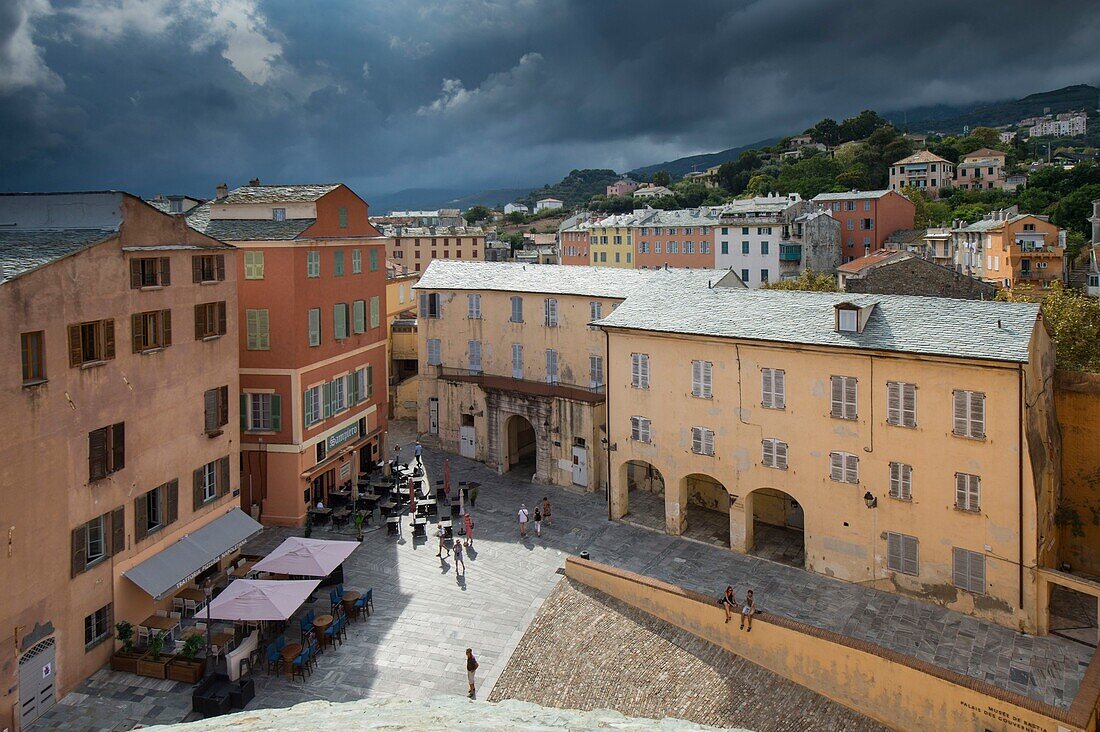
{"points": [[255, 600], [178, 564], [306, 557]]}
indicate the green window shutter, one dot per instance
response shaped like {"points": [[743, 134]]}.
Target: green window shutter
{"points": [[326, 399], [374, 312], [370, 382], [250, 329], [353, 388], [314, 326], [343, 218], [356, 261], [340, 320], [276, 412], [264, 337], [359, 316], [373, 260], [338, 263], [244, 411]]}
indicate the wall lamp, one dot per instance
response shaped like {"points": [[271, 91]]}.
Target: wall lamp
{"points": [[870, 500]]}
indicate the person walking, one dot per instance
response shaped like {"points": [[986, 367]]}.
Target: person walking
{"points": [[442, 542], [458, 557], [729, 602], [417, 452], [546, 511], [468, 522], [748, 611], [523, 516], [538, 521], [471, 667]]}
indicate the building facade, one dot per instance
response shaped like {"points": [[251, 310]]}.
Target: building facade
{"points": [[126, 440], [312, 288], [867, 218], [512, 374], [922, 170], [897, 442], [547, 204], [622, 187], [1010, 249], [414, 247], [514, 208], [982, 169], [574, 244]]}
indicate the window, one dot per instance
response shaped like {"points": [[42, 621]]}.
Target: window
{"points": [[551, 319], [745, 276], [314, 326], [338, 396], [704, 247], [475, 356], [901, 553], [745, 247], [150, 272], [374, 316], [844, 467], [253, 265], [616, 256], [210, 481], [340, 328], [208, 267], [639, 370], [33, 351], [968, 492], [96, 542], [151, 330], [901, 404], [763, 276], [209, 320], [701, 379], [517, 361], [106, 451], [773, 388], [373, 259], [595, 370], [97, 539], [359, 316], [656, 247], [849, 205], [595, 310], [343, 214], [261, 412], [215, 409], [764, 248], [774, 453], [278, 214], [473, 306], [725, 247], [434, 358], [689, 247], [672, 248], [847, 320], [338, 263], [313, 264], [866, 224], [744, 231], [312, 405], [256, 327], [702, 441], [91, 342], [969, 414], [640, 429], [551, 366], [901, 481], [156, 509], [968, 570], [866, 205], [97, 627], [843, 397], [431, 305]]}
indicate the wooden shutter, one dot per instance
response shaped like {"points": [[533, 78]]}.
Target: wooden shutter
{"points": [[223, 476], [196, 477], [960, 412], [780, 454], [276, 412], [76, 353], [135, 274], [97, 454], [849, 398], [137, 328], [643, 369], [252, 319], [165, 267], [359, 316], [779, 386], [141, 517], [424, 304], [836, 467], [314, 326], [893, 552], [768, 452], [851, 469], [165, 328], [696, 439], [171, 501], [706, 374], [196, 268], [909, 405], [118, 530], [893, 402], [353, 388], [368, 378], [108, 339], [374, 319], [708, 442], [221, 318], [959, 570], [326, 399], [223, 405], [200, 320], [118, 446], [977, 414], [976, 572], [697, 378], [910, 556], [767, 387], [219, 264], [210, 410], [837, 396], [79, 549], [263, 336], [339, 324], [244, 411]]}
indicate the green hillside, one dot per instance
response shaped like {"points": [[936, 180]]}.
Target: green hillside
{"points": [[575, 189]]}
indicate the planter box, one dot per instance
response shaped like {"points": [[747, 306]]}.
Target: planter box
{"points": [[123, 661], [146, 666], [188, 672]]}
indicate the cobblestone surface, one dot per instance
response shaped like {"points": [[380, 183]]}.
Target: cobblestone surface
{"points": [[626, 660]]}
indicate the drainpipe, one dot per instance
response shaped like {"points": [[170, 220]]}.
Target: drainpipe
{"points": [[1020, 480], [607, 416]]}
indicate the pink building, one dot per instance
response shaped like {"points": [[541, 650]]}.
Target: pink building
{"points": [[622, 187]]}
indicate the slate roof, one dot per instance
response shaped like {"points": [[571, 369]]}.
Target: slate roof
{"points": [[901, 323], [245, 229], [985, 152], [850, 195], [24, 250], [922, 156], [867, 260], [278, 194], [560, 279]]}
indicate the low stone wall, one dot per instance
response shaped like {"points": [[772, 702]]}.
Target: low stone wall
{"points": [[890, 687]]}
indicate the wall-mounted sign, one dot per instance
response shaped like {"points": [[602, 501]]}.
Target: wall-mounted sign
{"points": [[340, 437]]}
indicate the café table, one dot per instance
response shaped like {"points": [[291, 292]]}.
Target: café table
{"points": [[320, 624], [194, 594], [419, 526], [349, 598], [321, 515], [156, 623], [290, 652], [221, 640]]}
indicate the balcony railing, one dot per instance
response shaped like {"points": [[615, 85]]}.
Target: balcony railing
{"points": [[790, 252], [575, 392]]}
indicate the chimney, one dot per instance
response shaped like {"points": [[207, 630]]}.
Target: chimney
{"points": [[222, 191], [254, 182]]}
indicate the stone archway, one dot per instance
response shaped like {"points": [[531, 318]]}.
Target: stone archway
{"points": [[706, 508], [639, 494], [769, 523], [520, 446], [504, 407]]}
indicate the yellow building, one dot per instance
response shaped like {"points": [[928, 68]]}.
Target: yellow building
{"points": [[512, 373], [401, 342], [611, 242], [903, 442]]}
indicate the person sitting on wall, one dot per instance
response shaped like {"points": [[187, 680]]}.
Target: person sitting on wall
{"points": [[728, 601]]}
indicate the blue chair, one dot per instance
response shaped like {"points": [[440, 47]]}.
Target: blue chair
{"points": [[342, 625], [334, 598], [274, 659], [332, 632], [300, 665], [280, 643], [311, 616], [306, 625], [313, 647], [340, 591], [364, 603]]}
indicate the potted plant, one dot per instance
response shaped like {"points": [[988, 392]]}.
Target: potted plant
{"points": [[187, 666], [125, 659], [154, 663]]}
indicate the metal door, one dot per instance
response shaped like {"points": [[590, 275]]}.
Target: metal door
{"points": [[580, 466], [37, 673], [466, 441], [796, 519], [433, 416]]}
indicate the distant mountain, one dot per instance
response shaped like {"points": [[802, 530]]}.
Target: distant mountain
{"points": [[681, 166], [952, 119], [421, 199]]}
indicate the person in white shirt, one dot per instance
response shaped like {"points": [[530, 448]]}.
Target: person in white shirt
{"points": [[523, 515]]}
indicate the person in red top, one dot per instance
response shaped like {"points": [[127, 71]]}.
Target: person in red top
{"points": [[468, 522]]}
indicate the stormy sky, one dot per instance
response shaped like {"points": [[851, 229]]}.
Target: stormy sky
{"points": [[178, 95]]}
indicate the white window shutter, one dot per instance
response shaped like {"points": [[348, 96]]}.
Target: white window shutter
{"points": [[696, 439], [976, 573], [910, 555], [423, 305], [767, 387], [893, 552], [697, 378], [708, 442], [909, 405], [779, 386], [645, 370], [781, 454], [977, 414], [960, 412], [895, 480], [706, 374], [849, 397], [851, 469], [645, 430], [837, 390], [517, 361], [893, 403], [768, 452], [960, 571], [635, 370], [836, 466]]}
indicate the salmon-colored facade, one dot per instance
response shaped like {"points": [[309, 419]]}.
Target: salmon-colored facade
{"points": [[867, 218], [109, 432], [312, 289], [574, 245]]}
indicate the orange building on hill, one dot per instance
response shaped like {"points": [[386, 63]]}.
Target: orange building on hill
{"points": [[867, 218]]}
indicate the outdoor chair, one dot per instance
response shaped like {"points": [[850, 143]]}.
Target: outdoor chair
{"points": [[334, 599], [280, 643], [305, 625], [314, 647], [364, 603], [300, 665], [332, 632], [274, 659]]}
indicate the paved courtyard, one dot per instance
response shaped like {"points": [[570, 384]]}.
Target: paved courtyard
{"points": [[427, 615]]}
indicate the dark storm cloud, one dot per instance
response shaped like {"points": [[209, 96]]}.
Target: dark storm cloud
{"points": [[153, 95]]}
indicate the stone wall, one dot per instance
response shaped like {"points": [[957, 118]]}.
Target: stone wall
{"points": [[916, 276]]}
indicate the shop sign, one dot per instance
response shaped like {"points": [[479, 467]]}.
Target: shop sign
{"points": [[339, 438]]}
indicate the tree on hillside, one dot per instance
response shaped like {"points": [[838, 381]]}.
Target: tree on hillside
{"points": [[855, 178], [1073, 210], [827, 132], [761, 184], [860, 126], [734, 176], [1074, 322], [987, 136], [807, 280], [662, 178], [516, 217], [809, 176], [477, 213], [929, 212]]}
